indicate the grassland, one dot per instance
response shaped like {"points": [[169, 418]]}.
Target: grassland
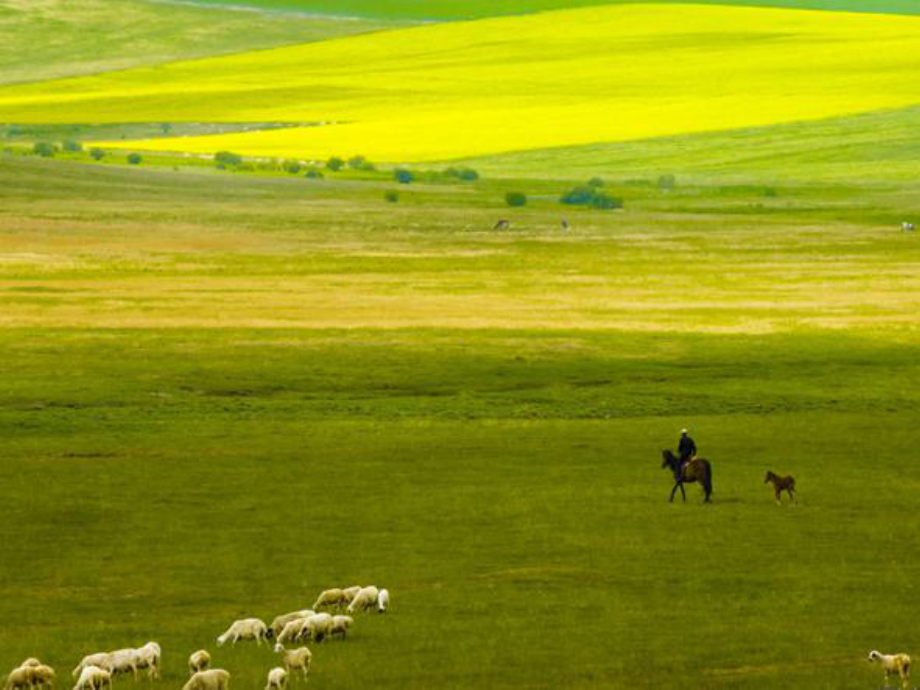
{"points": [[598, 74], [48, 39], [224, 393], [469, 9]]}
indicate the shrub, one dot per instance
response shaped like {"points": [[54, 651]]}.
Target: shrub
{"points": [[44, 149], [357, 162], [595, 182], [516, 199], [313, 174], [292, 167], [770, 193], [335, 164], [465, 174], [392, 196], [227, 158], [667, 182], [590, 196], [73, 146], [96, 153], [404, 176], [134, 158]]}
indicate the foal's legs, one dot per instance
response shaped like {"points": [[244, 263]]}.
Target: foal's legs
{"points": [[682, 492]]}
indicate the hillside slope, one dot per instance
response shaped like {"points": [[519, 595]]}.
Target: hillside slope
{"points": [[477, 88]]}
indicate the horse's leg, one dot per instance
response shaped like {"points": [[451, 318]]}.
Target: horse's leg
{"points": [[778, 495], [682, 492], [673, 491]]}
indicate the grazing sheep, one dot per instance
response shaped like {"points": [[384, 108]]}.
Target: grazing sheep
{"points": [[293, 630], [277, 679], [100, 659], [198, 661], [364, 599], [340, 625], [295, 659], [213, 679], [351, 593], [781, 484], [121, 661], [31, 661], [19, 679], [317, 627], [278, 624], [893, 663], [148, 657], [331, 598], [908, 227], [383, 601], [30, 675], [93, 678], [246, 629], [41, 676], [502, 225]]}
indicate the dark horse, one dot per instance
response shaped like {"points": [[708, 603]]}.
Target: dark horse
{"points": [[697, 470]]}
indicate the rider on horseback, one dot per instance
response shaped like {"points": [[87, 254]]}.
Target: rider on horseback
{"points": [[686, 450]]}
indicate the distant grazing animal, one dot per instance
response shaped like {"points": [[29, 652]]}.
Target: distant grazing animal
{"points": [[331, 598], [199, 661], [295, 659], [364, 600], [99, 660], [908, 227], [246, 629], [277, 679], [340, 625], [697, 470], [282, 620], [214, 679], [893, 663], [502, 225], [564, 225], [383, 601], [93, 678], [781, 484]]}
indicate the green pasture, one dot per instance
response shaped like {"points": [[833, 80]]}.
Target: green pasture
{"points": [[223, 393]]}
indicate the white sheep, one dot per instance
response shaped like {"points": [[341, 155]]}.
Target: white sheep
{"points": [[213, 679], [198, 661], [383, 601], [295, 659], [293, 630], [148, 657], [246, 629], [93, 678], [364, 599], [278, 624], [893, 663], [351, 593], [277, 679], [100, 659], [30, 675], [31, 661], [317, 627], [340, 625], [121, 661], [41, 675], [331, 598]]}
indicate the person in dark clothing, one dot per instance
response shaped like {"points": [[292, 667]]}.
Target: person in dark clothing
{"points": [[686, 448]]}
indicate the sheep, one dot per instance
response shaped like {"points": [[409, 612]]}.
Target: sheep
{"points": [[246, 629], [93, 678], [31, 661], [30, 675], [331, 598], [277, 679], [293, 630], [340, 625], [278, 624], [893, 663], [198, 661], [364, 599], [295, 659], [213, 679], [100, 659], [148, 657], [40, 676], [908, 227], [351, 593], [317, 627], [383, 601], [121, 661]]}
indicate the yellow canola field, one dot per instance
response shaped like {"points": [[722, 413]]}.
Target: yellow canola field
{"points": [[563, 78]]}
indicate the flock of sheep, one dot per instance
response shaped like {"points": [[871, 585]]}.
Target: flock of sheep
{"points": [[97, 671]]}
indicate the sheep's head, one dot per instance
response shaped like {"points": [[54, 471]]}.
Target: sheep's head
{"points": [[269, 634], [279, 647], [874, 656]]}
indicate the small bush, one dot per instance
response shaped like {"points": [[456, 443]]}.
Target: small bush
{"points": [[404, 176], [44, 149], [313, 174], [516, 199], [465, 174], [96, 154], [227, 159], [357, 162], [135, 159], [335, 164], [770, 193], [292, 167], [73, 146], [392, 196], [667, 182], [595, 182], [590, 196]]}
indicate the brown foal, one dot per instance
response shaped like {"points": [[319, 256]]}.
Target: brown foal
{"points": [[781, 484]]}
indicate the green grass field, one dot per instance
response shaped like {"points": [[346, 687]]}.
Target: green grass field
{"points": [[224, 393], [226, 390]]}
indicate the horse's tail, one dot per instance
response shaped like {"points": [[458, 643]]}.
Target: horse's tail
{"points": [[707, 478]]}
